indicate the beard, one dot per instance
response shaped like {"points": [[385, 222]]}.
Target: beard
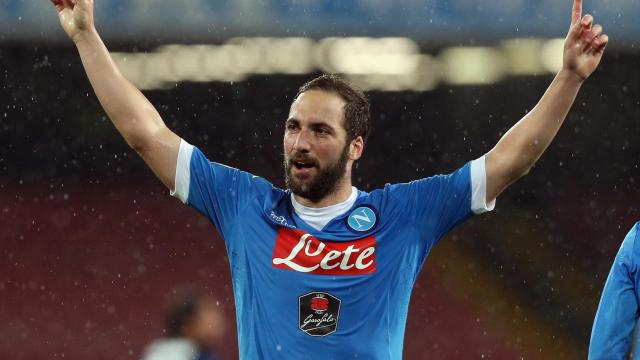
{"points": [[323, 183]]}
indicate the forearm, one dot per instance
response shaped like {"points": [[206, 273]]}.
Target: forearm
{"points": [[524, 143], [519, 149], [131, 113]]}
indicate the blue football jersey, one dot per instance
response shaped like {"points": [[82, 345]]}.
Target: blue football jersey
{"points": [[341, 292], [617, 313]]}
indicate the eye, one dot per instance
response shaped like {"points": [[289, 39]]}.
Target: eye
{"points": [[291, 126]]}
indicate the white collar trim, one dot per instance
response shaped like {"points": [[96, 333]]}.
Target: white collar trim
{"points": [[319, 217]]}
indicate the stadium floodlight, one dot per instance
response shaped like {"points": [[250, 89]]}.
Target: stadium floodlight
{"points": [[472, 65], [388, 64], [383, 56], [551, 55], [523, 56]]}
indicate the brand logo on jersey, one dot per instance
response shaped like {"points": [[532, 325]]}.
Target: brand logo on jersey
{"points": [[298, 251], [362, 219], [318, 313], [279, 219]]}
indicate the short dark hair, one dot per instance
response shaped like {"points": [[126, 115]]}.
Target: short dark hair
{"points": [[357, 110], [181, 306]]}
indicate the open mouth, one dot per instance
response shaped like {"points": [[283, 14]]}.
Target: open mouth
{"points": [[300, 165]]}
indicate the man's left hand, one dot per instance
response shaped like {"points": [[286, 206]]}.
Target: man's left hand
{"points": [[584, 45]]}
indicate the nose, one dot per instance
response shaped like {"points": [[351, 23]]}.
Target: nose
{"points": [[302, 141]]}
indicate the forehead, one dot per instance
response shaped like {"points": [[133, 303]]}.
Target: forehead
{"points": [[318, 106]]}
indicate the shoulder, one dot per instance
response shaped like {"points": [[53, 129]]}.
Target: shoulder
{"points": [[633, 239], [429, 186], [629, 251], [394, 197], [403, 190], [223, 172]]}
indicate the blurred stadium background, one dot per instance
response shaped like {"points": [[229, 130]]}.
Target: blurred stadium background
{"points": [[91, 242]]}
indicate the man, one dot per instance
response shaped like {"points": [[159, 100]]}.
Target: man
{"points": [[617, 313], [323, 270], [194, 328]]}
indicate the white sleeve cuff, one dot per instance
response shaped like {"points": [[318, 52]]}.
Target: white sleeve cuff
{"points": [[183, 172], [479, 203]]}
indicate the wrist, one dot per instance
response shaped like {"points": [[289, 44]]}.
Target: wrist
{"points": [[571, 77], [85, 35]]}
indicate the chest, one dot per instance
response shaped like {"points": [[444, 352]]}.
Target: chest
{"points": [[267, 249]]}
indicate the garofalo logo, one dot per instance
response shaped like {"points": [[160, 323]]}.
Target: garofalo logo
{"points": [[318, 313]]}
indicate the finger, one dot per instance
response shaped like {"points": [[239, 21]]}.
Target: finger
{"points": [[58, 4], [597, 46], [575, 31], [591, 35], [587, 21], [601, 42], [588, 46], [596, 30], [576, 12]]}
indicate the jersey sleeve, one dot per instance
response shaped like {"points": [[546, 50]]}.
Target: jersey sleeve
{"points": [[437, 204], [617, 313], [216, 191]]}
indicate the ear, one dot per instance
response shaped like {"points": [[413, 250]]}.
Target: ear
{"points": [[355, 148]]}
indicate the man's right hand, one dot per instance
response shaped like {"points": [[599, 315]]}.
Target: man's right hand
{"points": [[76, 16], [132, 114]]}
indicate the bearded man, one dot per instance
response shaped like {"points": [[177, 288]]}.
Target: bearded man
{"points": [[323, 270]]}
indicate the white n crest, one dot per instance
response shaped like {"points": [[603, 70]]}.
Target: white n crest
{"points": [[362, 217]]}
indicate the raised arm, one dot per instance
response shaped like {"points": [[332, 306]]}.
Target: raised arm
{"points": [[518, 150], [131, 113]]}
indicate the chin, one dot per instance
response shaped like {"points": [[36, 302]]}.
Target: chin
{"points": [[302, 182], [301, 186]]}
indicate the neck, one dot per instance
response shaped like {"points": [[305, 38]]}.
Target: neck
{"points": [[338, 195]]}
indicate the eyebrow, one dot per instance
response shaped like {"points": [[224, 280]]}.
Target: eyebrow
{"points": [[312, 124]]}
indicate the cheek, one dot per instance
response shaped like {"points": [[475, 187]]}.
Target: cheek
{"points": [[287, 145], [327, 154]]}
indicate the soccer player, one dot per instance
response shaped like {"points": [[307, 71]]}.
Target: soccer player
{"points": [[617, 313], [324, 270]]}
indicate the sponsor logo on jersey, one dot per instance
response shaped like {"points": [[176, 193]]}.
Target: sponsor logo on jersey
{"points": [[362, 219], [318, 313], [298, 251]]}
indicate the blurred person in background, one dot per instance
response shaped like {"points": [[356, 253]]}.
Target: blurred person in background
{"points": [[323, 270], [618, 311], [194, 328]]}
